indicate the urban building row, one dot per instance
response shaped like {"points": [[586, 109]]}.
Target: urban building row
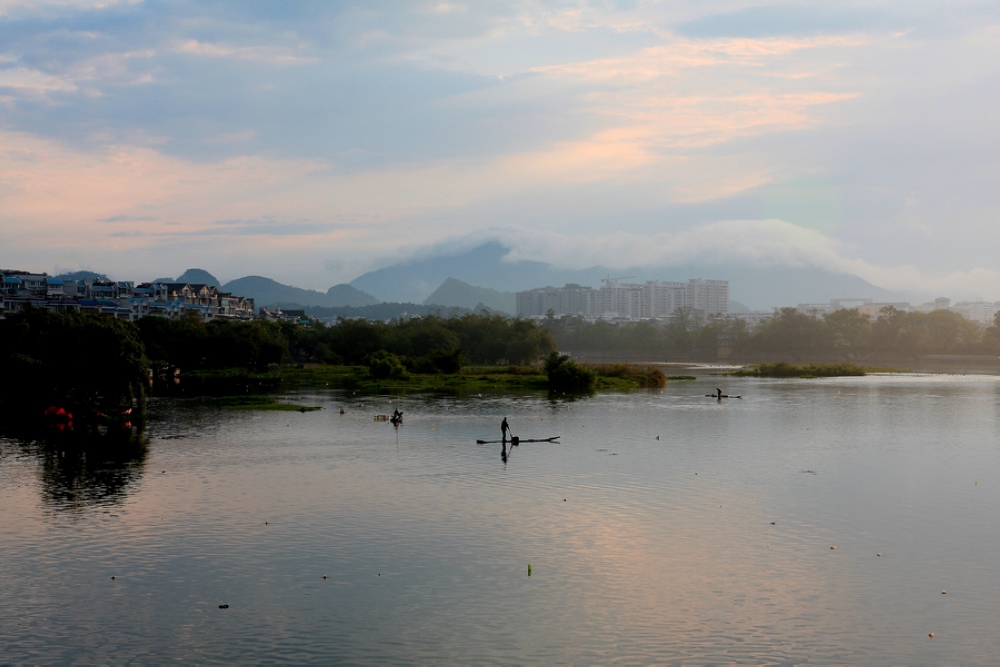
{"points": [[122, 299], [614, 301]]}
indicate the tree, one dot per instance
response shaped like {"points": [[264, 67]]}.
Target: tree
{"points": [[82, 361], [564, 373], [848, 328], [383, 366]]}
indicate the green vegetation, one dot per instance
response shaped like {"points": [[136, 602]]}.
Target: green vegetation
{"points": [[786, 370], [263, 403], [641, 376], [470, 378], [565, 374], [791, 334], [193, 344], [421, 345], [81, 362]]}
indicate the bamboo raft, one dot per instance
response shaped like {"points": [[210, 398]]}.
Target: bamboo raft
{"points": [[516, 440]]}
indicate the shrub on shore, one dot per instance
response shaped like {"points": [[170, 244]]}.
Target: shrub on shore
{"points": [[566, 374]]}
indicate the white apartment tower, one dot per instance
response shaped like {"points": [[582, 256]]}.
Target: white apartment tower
{"points": [[651, 300]]}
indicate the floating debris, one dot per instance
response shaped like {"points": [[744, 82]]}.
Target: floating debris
{"points": [[931, 635], [833, 548]]}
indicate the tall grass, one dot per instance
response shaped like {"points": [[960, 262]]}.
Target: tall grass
{"points": [[644, 376], [784, 369]]}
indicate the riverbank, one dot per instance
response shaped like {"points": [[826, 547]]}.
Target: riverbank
{"points": [[610, 377]]}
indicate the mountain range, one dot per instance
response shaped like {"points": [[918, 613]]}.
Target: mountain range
{"points": [[267, 292], [454, 292], [759, 288], [482, 277]]}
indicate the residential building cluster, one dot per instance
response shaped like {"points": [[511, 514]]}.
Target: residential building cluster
{"points": [[122, 299], [627, 302]]}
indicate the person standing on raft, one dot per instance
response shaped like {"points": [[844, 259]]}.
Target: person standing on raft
{"points": [[504, 429], [718, 393]]}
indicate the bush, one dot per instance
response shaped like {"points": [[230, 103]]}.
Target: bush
{"points": [[647, 377], [383, 366], [784, 369], [564, 373]]}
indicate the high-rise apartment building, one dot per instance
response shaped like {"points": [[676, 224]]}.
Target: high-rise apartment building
{"points": [[650, 300]]}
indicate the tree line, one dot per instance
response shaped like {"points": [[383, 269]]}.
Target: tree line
{"points": [[91, 360], [427, 344], [789, 334], [47, 358]]}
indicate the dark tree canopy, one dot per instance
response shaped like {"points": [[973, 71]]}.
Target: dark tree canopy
{"points": [[70, 359]]}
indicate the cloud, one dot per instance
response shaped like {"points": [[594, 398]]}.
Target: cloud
{"points": [[789, 19], [35, 82], [757, 243], [336, 130], [127, 218], [271, 55]]}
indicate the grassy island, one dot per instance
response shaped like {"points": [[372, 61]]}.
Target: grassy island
{"points": [[785, 370], [263, 403], [605, 377]]}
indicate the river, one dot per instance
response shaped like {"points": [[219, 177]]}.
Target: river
{"points": [[831, 521]]}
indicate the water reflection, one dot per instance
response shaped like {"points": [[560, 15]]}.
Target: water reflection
{"points": [[87, 467]]}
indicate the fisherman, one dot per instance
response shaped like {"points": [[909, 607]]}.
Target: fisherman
{"points": [[504, 429], [718, 393]]}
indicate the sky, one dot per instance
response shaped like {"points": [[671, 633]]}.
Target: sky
{"points": [[313, 141]]}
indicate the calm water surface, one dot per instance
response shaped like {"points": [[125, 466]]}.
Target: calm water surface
{"points": [[665, 527]]}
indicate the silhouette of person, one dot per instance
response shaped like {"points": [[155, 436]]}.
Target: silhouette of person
{"points": [[719, 392], [504, 429]]}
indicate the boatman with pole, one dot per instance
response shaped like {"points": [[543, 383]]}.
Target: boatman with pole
{"points": [[504, 429]]}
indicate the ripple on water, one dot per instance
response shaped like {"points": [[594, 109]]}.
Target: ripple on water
{"points": [[642, 550]]}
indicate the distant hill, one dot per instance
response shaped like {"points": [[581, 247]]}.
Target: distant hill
{"points": [[82, 275], [345, 295], [757, 287], [484, 266], [453, 292], [198, 277], [268, 292]]}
